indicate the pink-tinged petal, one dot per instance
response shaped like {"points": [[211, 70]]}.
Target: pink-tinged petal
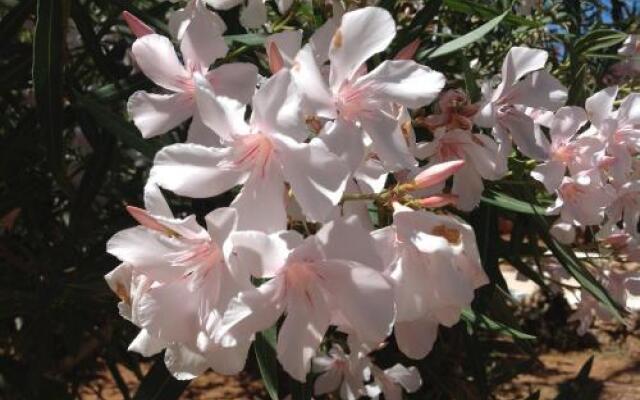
{"points": [[257, 253], [158, 60], [146, 345], [154, 201], [234, 80], [268, 191], [170, 312], [408, 378], [254, 15], [302, 331], [155, 114], [416, 338], [361, 249], [520, 127], [437, 173], [318, 101], [320, 40], [566, 123], [287, 43], [276, 108], [202, 42], [317, 176], [328, 382], [184, 363], [228, 360], [390, 146], [344, 139], [180, 19], [629, 110], [550, 174], [483, 153], [521, 61], [361, 297], [404, 82], [223, 115], [146, 220], [485, 118], [564, 232], [539, 90], [146, 250], [600, 105], [201, 134], [220, 223], [252, 311], [468, 186], [362, 33], [136, 26], [408, 51], [195, 171]]}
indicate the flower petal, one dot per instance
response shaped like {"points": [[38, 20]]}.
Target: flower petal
{"points": [[388, 144], [566, 123], [192, 170], [600, 105], [405, 82], [276, 108], [202, 42], [234, 80], [268, 191], [416, 338], [254, 15], [317, 176], [362, 33], [257, 253], [158, 60], [318, 101], [362, 297], [155, 114]]}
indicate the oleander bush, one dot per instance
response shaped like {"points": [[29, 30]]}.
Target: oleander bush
{"points": [[322, 194]]}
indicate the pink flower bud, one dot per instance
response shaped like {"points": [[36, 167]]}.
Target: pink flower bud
{"points": [[146, 220], [276, 63], [407, 52], [437, 173], [437, 201], [136, 26]]}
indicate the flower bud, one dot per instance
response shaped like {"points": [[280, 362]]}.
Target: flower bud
{"points": [[437, 173], [407, 52], [276, 62], [437, 201], [146, 220], [136, 26]]}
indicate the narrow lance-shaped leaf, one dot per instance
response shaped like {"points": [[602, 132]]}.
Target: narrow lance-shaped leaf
{"points": [[48, 80], [264, 347], [468, 38]]}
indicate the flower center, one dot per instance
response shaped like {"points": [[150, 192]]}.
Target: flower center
{"points": [[452, 235], [255, 151]]}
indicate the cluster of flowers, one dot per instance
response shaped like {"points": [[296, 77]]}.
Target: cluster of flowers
{"points": [[322, 137]]}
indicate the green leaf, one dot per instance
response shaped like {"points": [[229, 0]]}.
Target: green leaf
{"points": [[249, 39], [117, 126], [85, 26], [468, 38], [573, 266], [598, 39], [265, 349], [158, 384], [507, 202], [481, 320], [472, 7], [48, 80]]}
